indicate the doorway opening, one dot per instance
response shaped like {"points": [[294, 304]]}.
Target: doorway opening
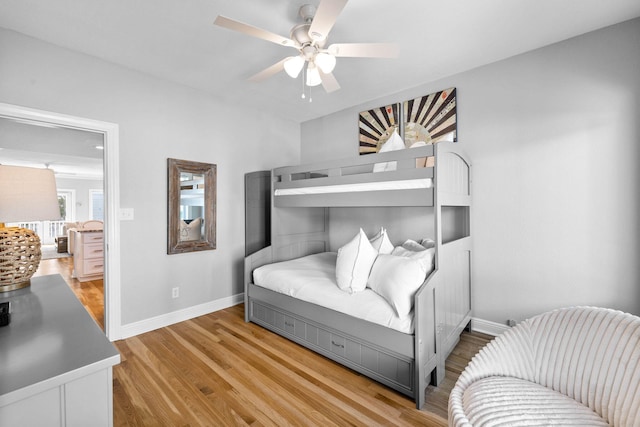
{"points": [[102, 200]]}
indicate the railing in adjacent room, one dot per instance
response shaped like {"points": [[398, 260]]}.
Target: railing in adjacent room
{"points": [[46, 230]]}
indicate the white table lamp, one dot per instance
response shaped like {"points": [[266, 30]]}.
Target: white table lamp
{"points": [[26, 194]]}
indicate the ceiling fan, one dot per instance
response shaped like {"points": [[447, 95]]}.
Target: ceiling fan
{"points": [[309, 39]]}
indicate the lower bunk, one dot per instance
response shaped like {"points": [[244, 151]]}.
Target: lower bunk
{"points": [[405, 362]]}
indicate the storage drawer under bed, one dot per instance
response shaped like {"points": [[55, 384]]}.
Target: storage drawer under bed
{"points": [[393, 370]]}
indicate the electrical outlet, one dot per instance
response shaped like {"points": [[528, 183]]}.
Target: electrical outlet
{"points": [[175, 292]]}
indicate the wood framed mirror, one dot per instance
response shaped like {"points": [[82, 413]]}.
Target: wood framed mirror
{"points": [[192, 206]]}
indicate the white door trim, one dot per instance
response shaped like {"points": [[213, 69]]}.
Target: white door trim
{"points": [[113, 322]]}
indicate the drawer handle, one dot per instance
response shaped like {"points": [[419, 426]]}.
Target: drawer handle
{"points": [[337, 344], [288, 324]]}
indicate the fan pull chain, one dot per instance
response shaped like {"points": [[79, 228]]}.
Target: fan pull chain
{"points": [[304, 79]]}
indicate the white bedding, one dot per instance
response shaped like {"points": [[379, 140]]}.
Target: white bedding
{"points": [[406, 184], [313, 279]]}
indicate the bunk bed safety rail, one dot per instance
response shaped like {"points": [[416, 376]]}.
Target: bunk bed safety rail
{"points": [[354, 165], [353, 182]]}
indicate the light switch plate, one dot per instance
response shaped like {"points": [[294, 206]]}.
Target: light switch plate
{"points": [[126, 214]]}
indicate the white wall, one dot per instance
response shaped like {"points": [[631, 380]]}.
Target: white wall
{"points": [[82, 187], [157, 120], [554, 137]]}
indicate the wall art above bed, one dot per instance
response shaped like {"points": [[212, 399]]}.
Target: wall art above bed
{"points": [[426, 120]]}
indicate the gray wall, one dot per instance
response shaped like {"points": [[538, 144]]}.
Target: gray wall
{"points": [[157, 120], [554, 137]]}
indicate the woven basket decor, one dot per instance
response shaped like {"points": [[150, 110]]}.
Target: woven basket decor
{"points": [[19, 257]]}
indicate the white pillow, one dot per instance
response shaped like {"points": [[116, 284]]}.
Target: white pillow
{"points": [[394, 142], [423, 256], [190, 231], [381, 242], [412, 245], [354, 263], [428, 243], [397, 279]]}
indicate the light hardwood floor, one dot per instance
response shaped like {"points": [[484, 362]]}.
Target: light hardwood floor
{"points": [[217, 370]]}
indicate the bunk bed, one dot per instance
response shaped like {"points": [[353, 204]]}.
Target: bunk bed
{"points": [[314, 208]]}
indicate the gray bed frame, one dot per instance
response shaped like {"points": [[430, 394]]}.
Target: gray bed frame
{"points": [[303, 224]]}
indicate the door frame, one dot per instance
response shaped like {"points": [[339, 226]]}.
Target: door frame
{"points": [[111, 183]]}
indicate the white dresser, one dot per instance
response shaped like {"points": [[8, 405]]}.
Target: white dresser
{"points": [[88, 255], [57, 363]]}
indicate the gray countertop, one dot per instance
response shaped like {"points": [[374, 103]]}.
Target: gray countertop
{"points": [[51, 340]]}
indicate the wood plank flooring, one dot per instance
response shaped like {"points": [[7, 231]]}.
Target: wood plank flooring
{"points": [[217, 370]]}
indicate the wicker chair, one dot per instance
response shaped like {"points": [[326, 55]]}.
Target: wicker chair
{"points": [[573, 366]]}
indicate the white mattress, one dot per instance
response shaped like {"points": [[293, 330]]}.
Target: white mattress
{"points": [[405, 184], [312, 279]]}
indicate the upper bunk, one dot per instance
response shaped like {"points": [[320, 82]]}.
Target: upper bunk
{"points": [[410, 177]]}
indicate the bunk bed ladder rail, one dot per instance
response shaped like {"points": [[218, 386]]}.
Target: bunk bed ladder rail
{"points": [[453, 244]]}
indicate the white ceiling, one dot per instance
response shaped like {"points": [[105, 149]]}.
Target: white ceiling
{"points": [[177, 41], [71, 153]]}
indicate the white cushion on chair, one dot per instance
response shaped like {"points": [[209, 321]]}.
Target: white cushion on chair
{"points": [[515, 402], [587, 354]]}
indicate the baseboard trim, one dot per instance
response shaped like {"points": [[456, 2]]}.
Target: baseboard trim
{"points": [[488, 327], [148, 325]]}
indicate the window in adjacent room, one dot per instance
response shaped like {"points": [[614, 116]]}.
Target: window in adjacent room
{"points": [[96, 206]]}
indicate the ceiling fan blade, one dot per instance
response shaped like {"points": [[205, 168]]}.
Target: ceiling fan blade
{"points": [[241, 27], [325, 17], [269, 71], [364, 50], [329, 82]]}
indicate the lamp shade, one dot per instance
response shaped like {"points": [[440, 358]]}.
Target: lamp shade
{"points": [[27, 194]]}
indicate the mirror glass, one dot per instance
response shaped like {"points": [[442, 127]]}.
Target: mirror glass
{"points": [[192, 202]]}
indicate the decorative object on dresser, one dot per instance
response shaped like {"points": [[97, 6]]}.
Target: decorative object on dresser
{"points": [[26, 194], [192, 206]]}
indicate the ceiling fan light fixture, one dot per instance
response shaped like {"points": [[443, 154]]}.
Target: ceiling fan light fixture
{"points": [[326, 62], [313, 76], [293, 66], [309, 39]]}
